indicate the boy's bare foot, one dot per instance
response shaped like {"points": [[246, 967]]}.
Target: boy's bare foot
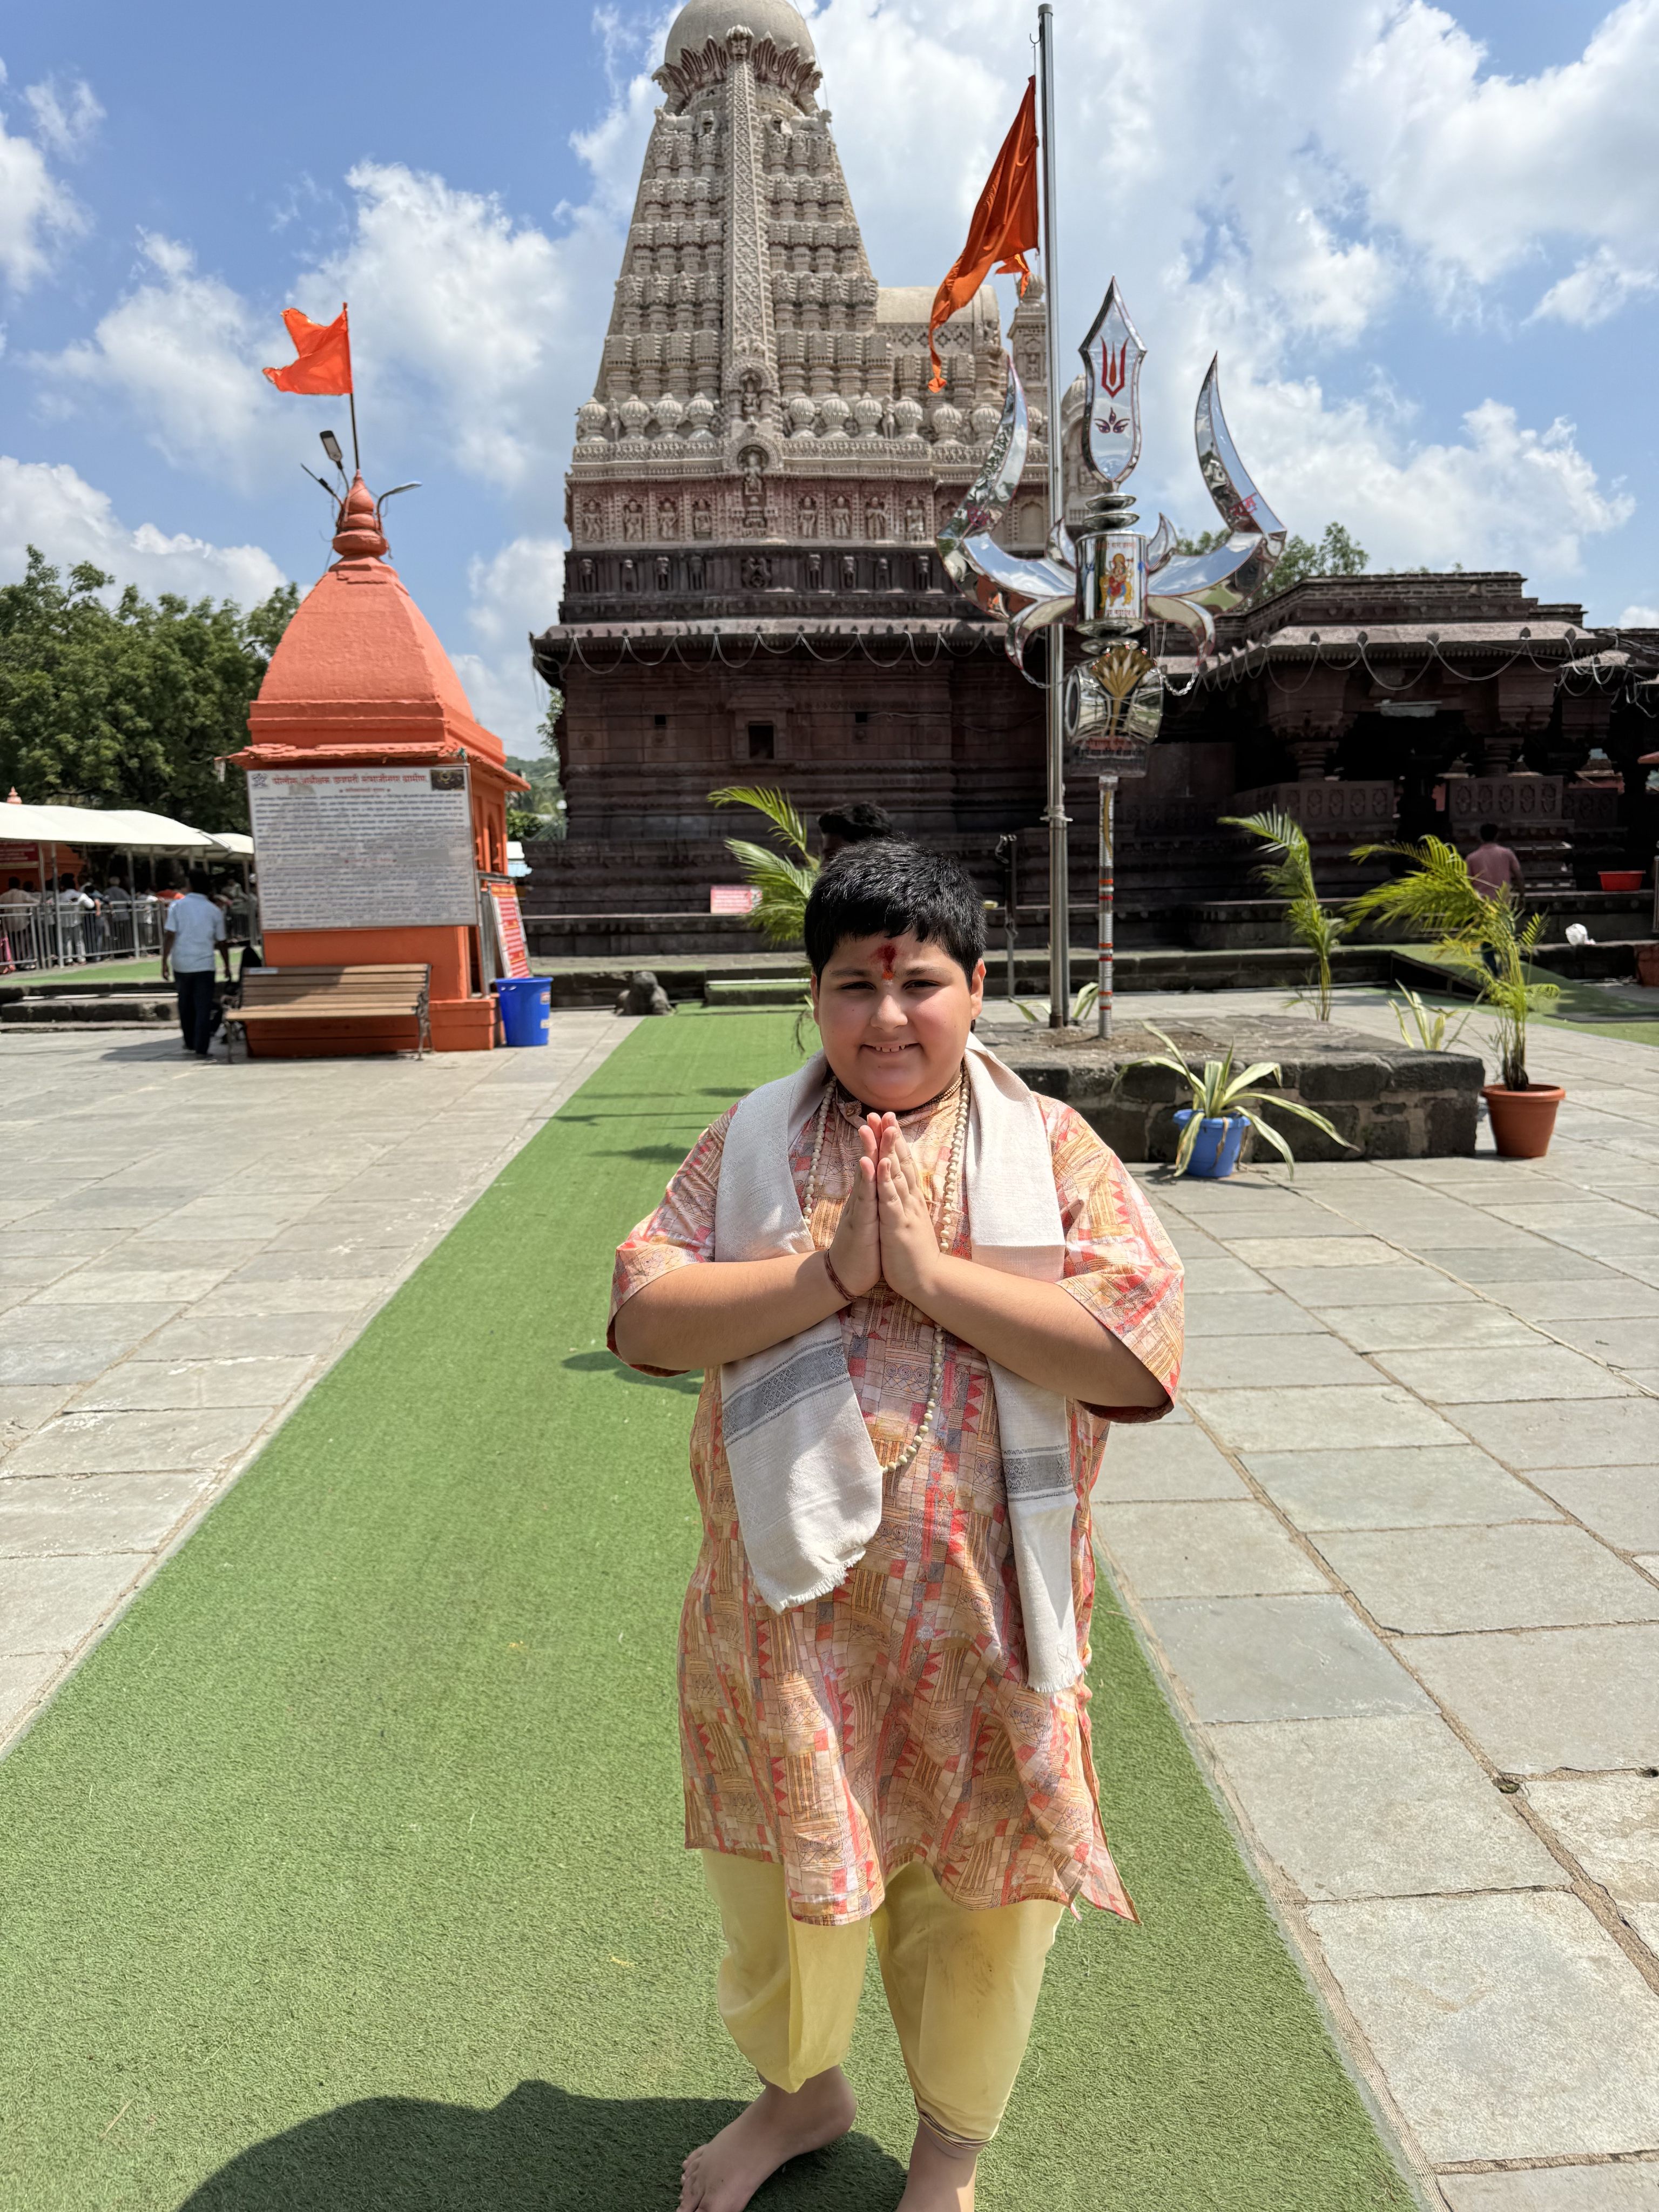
{"points": [[941, 2179], [721, 2176]]}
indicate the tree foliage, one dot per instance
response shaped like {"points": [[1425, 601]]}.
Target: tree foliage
{"points": [[541, 812], [1335, 554], [128, 705]]}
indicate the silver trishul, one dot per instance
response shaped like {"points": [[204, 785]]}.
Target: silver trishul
{"points": [[1112, 354]]}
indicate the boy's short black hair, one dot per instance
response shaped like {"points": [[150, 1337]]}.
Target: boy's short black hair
{"points": [[887, 887], [1489, 833]]}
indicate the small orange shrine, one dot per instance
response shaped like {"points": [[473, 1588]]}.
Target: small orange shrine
{"points": [[359, 694]]}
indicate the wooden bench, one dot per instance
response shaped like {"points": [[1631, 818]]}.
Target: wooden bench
{"points": [[388, 993]]}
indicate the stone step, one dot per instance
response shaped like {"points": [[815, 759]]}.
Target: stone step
{"points": [[105, 1011], [755, 991]]}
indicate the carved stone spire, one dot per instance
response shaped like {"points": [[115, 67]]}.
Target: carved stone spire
{"points": [[758, 389], [748, 371]]}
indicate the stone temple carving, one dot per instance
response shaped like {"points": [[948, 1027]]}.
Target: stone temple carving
{"points": [[757, 381]]}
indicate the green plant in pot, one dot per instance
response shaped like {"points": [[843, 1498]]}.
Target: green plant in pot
{"points": [[1482, 937], [1288, 874], [1224, 1106]]}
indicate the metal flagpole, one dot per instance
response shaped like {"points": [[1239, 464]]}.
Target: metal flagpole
{"points": [[1059, 954], [1106, 947]]}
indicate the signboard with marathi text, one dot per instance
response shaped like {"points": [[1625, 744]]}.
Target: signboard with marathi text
{"points": [[512, 952], [363, 847], [15, 853], [732, 898]]}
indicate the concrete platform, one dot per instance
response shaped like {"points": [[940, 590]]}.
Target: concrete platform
{"points": [[1389, 1102]]}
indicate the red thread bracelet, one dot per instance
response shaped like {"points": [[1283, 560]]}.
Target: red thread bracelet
{"points": [[835, 1282]]}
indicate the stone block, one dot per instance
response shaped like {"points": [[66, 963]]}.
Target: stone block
{"points": [[1165, 1461], [1624, 2187], [1440, 1582], [1610, 1823], [1498, 1376], [1279, 1658], [48, 1606], [1566, 1432], [1508, 2026], [1203, 1550], [1410, 1486], [1620, 1503], [50, 1517], [1319, 1418], [1271, 1363], [1379, 1807], [1536, 1700]]}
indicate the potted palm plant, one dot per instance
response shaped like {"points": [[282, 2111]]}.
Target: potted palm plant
{"points": [[1224, 1106], [1482, 937], [1290, 877], [784, 880]]}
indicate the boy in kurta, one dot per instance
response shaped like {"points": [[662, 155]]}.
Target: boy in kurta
{"points": [[919, 1295]]}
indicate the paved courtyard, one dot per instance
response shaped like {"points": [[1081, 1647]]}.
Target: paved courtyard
{"points": [[1400, 1564], [1397, 1554], [184, 1250]]}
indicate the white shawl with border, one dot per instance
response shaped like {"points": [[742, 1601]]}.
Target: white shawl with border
{"points": [[803, 1471]]}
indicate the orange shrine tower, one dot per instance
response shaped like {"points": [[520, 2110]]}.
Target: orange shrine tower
{"points": [[364, 762]]}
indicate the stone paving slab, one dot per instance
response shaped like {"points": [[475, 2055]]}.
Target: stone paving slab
{"points": [[192, 1248], [1538, 1701], [1433, 1486], [1519, 2029], [1620, 1504], [1620, 2188], [1380, 1808], [1439, 1582]]}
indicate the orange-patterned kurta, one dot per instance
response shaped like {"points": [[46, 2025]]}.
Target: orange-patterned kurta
{"points": [[890, 1721]]}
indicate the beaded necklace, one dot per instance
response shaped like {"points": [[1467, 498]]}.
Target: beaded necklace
{"points": [[952, 1199]]}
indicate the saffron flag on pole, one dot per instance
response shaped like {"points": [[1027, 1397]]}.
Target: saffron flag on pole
{"points": [[1004, 230], [324, 351]]}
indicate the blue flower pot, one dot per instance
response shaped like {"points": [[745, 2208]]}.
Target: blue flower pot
{"points": [[1216, 1154]]}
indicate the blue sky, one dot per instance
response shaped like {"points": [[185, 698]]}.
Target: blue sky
{"points": [[1424, 238]]}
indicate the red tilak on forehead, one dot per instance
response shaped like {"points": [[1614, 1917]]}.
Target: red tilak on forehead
{"points": [[888, 954]]}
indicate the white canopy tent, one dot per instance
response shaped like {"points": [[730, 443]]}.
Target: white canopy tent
{"points": [[124, 829], [129, 828]]}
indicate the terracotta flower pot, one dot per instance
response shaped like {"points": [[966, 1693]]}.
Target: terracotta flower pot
{"points": [[1647, 965], [1522, 1121]]}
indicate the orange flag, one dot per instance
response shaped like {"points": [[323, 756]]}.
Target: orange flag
{"points": [[324, 364], [1003, 229]]}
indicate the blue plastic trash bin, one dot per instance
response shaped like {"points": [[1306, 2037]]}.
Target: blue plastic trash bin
{"points": [[526, 1003]]}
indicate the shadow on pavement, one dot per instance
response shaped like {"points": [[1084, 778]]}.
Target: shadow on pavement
{"points": [[540, 2150]]}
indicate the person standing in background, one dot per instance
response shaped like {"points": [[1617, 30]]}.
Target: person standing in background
{"points": [[195, 930], [1495, 868]]}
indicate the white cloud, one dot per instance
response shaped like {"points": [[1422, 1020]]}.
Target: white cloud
{"points": [[37, 215], [1275, 189], [1639, 618], [1596, 289], [71, 521], [183, 351], [510, 595], [65, 119]]}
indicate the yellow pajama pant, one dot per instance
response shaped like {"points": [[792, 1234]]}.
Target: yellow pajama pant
{"points": [[962, 1987]]}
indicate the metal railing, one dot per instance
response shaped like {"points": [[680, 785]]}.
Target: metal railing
{"points": [[42, 933]]}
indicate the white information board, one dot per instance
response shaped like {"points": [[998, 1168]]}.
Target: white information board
{"points": [[362, 847]]}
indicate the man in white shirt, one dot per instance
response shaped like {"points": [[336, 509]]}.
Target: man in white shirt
{"points": [[195, 929]]}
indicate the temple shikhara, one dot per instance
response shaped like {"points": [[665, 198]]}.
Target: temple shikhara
{"points": [[752, 593]]}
